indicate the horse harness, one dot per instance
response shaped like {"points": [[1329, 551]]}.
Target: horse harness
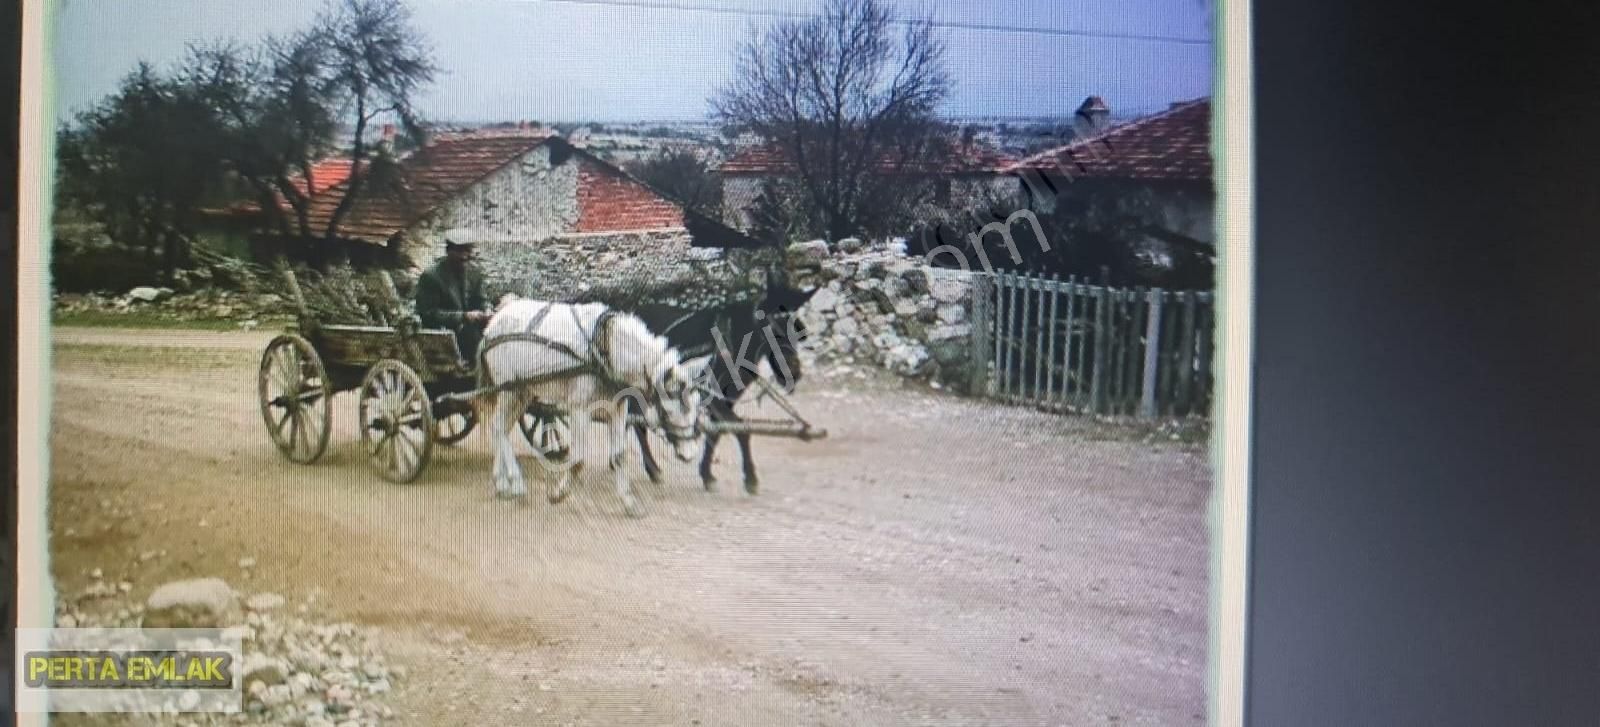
{"points": [[597, 363]]}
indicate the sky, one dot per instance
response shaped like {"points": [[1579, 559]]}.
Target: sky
{"points": [[660, 60]]}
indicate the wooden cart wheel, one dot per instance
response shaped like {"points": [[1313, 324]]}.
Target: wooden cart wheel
{"points": [[296, 398], [454, 425], [396, 421], [548, 432]]}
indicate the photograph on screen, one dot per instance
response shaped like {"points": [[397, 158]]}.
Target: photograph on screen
{"points": [[612, 362]]}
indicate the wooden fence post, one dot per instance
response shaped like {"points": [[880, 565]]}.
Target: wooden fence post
{"points": [[995, 331], [1102, 342], [1039, 340], [1152, 355], [1009, 380], [1069, 372], [1205, 329], [1184, 401], [1024, 283], [1052, 329], [980, 383]]}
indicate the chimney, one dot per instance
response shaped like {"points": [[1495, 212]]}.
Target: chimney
{"points": [[1093, 116], [387, 142]]}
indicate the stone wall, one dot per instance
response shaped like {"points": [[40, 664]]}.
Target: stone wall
{"points": [[883, 308], [739, 193], [528, 199], [565, 265]]}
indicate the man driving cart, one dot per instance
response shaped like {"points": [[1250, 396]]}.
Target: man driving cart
{"points": [[450, 295]]}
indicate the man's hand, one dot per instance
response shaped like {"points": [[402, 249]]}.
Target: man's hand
{"points": [[477, 316]]}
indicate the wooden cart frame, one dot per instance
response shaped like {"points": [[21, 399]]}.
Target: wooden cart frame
{"points": [[409, 381]]}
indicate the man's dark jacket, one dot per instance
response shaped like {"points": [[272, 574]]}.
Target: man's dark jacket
{"points": [[446, 292]]}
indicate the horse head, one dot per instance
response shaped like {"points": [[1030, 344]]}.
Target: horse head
{"points": [[675, 405]]}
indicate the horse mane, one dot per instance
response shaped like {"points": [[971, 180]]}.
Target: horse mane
{"points": [[653, 354]]}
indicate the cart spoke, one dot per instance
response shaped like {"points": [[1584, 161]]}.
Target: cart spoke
{"points": [[288, 369], [405, 454], [277, 427], [313, 425], [377, 444], [294, 430], [393, 452]]}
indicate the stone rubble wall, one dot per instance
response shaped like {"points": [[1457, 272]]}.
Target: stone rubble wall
{"points": [[565, 265], [881, 307]]}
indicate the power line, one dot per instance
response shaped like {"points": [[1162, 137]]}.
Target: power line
{"points": [[684, 6]]}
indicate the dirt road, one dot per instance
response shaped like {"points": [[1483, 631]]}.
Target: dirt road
{"points": [[935, 561]]}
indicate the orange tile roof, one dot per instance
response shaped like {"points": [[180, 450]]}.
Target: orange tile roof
{"points": [[432, 175], [1171, 145], [609, 200], [325, 174]]}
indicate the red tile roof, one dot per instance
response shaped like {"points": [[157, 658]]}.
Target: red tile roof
{"points": [[432, 175], [1171, 145], [324, 175], [972, 158], [611, 201], [608, 199]]}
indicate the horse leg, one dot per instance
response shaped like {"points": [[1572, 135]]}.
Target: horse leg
{"points": [[650, 467], [496, 434], [617, 431], [752, 483], [707, 478], [508, 480], [561, 486]]}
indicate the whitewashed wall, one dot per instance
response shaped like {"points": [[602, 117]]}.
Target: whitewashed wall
{"points": [[527, 200]]}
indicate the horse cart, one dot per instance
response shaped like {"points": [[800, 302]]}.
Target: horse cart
{"points": [[409, 383], [415, 389]]}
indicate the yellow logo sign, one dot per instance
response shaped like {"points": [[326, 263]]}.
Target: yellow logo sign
{"points": [[129, 670]]}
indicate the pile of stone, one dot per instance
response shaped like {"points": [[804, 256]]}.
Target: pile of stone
{"points": [[878, 306], [294, 670]]}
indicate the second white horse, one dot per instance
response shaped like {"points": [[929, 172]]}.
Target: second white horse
{"points": [[589, 361]]}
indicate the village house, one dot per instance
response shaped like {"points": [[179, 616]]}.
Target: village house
{"points": [[536, 205], [508, 187], [1158, 167]]}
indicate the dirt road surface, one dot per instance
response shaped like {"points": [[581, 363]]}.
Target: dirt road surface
{"points": [[936, 561]]}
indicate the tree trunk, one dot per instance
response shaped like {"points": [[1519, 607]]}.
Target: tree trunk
{"points": [[358, 152]]}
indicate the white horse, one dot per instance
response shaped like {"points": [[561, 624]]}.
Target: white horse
{"points": [[589, 361]]}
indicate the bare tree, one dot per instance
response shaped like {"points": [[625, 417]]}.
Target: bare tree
{"points": [[278, 110], [849, 100], [284, 102], [378, 62], [682, 174]]}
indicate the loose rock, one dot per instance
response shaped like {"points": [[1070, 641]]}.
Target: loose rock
{"points": [[198, 603]]}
